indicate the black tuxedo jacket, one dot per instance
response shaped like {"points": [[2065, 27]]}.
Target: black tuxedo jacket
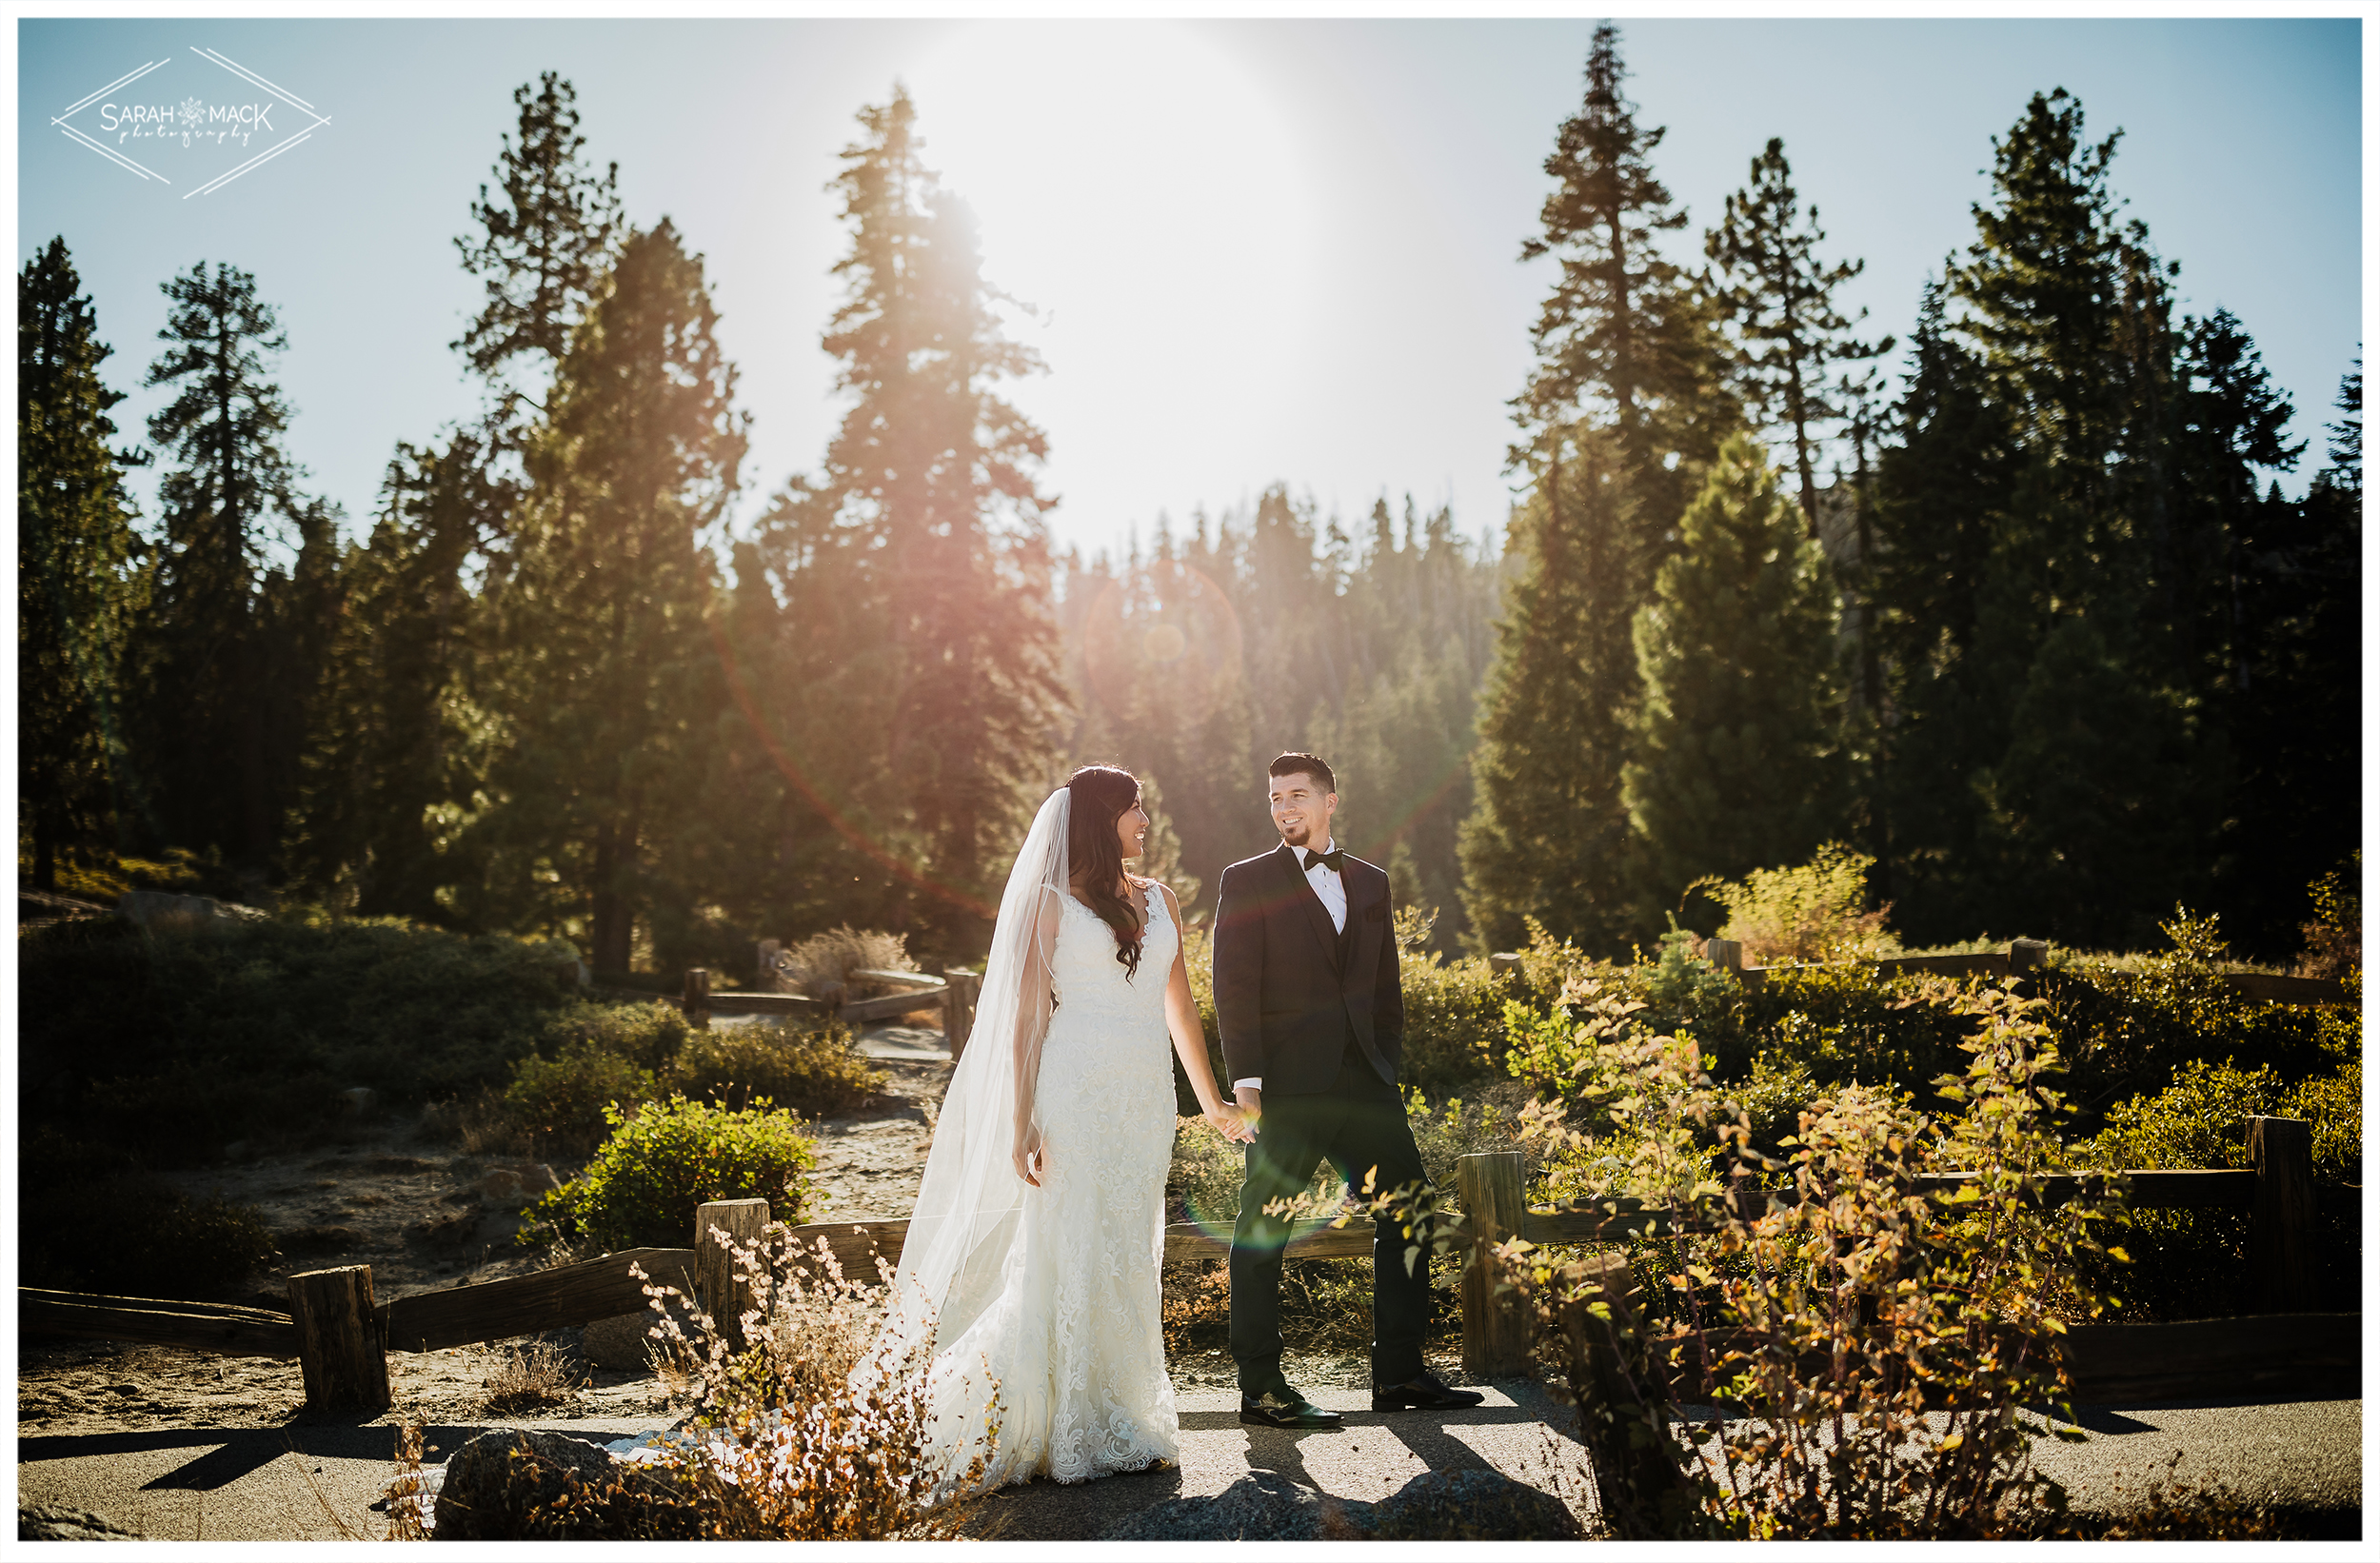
{"points": [[1288, 987]]}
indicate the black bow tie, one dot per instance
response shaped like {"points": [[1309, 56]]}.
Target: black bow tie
{"points": [[1328, 860]]}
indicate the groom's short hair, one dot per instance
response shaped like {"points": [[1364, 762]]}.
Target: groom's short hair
{"points": [[1305, 764]]}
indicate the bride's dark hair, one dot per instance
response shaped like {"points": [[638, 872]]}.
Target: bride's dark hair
{"points": [[1101, 793]]}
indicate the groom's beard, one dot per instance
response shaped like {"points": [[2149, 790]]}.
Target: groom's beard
{"points": [[1299, 835]]}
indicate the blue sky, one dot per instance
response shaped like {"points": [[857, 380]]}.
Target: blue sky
{"points": [[1260, 251]]}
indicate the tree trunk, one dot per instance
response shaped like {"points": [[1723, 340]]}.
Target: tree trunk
{"points": [[612, 913]]}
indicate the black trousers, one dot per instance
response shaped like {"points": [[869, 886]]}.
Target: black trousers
{"points": [[1359, 1124]]}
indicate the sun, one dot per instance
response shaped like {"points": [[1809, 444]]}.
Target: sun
{"points": [[1148, 195]]}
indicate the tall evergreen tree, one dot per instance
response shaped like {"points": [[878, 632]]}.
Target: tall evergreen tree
{"points": [[398, 745], [1781, 298], [1625, 407], [78, 575], [1626, 335], [1548, 835], [1739, 761], [2297, 715], [605, 680], [240, 583], [2045, 404], [542, 250], [931, 516]]}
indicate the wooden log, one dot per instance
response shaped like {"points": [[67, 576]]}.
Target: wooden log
{"points": [[1636, 1476], [961, 992], [886, 974], [855, 1246], [887, 1007], [2267, 989], [1494, 1314], [551, 1299], [2281, 1222], [724, 1285], [771, 1003], [2263, 1359], [220, 1328], [339, 1339], [1313, 1239], [2189, 1188]]}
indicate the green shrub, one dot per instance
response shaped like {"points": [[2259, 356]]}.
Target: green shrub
{"points": [[648, 1036], [816, 1072], [1812, 911], [670, 1157], [2127, 1026], [91, 1220], [1686, 996], [238, 1011], [562, 1103], [2192, 1263], [822, 964], [1454, 1013], [1774, 1095], [1854, 1023]]}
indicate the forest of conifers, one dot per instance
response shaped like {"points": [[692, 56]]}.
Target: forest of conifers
{"points": [[2014, 604]]}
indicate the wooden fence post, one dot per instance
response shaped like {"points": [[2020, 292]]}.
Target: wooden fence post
{"points": [[959, 998], [1495, 1326], [1726, 954], [1504, 964], [726, 1295], [698, 996], [765, 968], [339, 1339], [2027, 955], [2280, 1223]]}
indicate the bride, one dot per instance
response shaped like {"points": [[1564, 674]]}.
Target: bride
{"points": [[1031, 1259]]}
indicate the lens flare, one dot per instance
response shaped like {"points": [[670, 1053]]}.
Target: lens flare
{"points": [[1172, 642]]}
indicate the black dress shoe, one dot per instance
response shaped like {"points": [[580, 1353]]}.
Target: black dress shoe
{"points": [[1285, 1407], [1424, 1393]]}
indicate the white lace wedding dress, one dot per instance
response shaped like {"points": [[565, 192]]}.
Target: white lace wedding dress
{"points": [[1074, 1340]]}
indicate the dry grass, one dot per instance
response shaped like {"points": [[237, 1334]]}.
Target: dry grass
{"points": [[788, 1443], [820, 965], [481, 1125], [531, 1378]]}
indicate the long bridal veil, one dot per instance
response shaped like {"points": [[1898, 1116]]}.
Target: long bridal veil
{"points": [[971, 1199]]}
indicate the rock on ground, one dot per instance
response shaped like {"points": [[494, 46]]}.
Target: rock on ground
{"points": [[474, 1503], [49, 1522]]}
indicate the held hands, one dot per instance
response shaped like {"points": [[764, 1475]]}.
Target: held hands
{"points": [[1232, 1123]]}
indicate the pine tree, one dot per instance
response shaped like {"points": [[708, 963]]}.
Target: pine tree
{"points": [[1781, 298], [1548, 835], [1625, 335], [398, 746], [1626, 406], [541, 255], [605, 679], [2296, 811], [240, 579], [1738, 762], [78, 569], [931, 511]]}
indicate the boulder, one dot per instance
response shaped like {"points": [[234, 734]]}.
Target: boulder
{"points": [[619, 1344], [49, 1522], [155, 909], [493, 1481], [1472, 1506], [1261, 1506]]}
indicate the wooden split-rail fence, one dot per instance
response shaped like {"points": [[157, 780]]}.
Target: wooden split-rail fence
{"points": [[339, 1333], [954, 994]]}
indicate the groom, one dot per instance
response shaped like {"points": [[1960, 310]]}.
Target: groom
{"points": [[1313, 1021]]}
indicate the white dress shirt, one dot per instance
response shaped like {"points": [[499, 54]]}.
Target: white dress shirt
{"points": [[1333, 891]]}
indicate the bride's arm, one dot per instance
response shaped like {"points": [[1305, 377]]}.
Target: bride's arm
{"points": [[1033, 1011], [1182, 1020]]}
